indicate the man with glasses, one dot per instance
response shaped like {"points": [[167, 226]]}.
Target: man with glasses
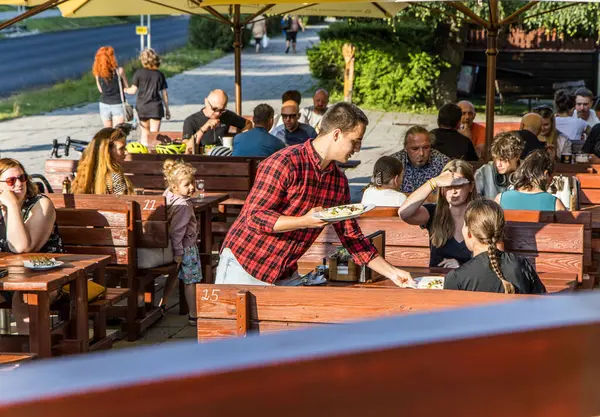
{"points": [[292, 132], [212, 123]]}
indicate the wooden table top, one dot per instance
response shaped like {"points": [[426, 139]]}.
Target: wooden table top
{"points": [[210, 199], [20, 278], [554, 282]]}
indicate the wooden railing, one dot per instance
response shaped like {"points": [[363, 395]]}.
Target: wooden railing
{"points": [[537, 357]]}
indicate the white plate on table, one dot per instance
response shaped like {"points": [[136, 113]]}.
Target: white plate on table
{"points": [[430, 283], [338, 213], [30, 265]]}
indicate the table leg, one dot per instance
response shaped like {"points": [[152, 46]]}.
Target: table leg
{"points": [[206, 244], [39, 323], [79, 311]]}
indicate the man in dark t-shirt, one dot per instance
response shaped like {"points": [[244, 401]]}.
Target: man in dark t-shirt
{"points": [[531, 125], [211, 124], [447, 138]]}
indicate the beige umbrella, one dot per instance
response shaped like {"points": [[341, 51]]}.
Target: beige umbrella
{"points": [[223, 12], [229, 12]]}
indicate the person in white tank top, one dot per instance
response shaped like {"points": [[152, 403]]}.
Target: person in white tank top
{"points": [[386, 181]]}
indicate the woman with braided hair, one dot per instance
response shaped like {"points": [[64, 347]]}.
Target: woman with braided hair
{"points": [[490, 269], [385, 184]]}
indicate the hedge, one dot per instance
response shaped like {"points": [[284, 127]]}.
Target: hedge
{"points": [[209, 34], [395, 67]]}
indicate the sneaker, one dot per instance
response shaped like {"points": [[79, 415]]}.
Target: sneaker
{"points": [[287, 49], [192, 321]]}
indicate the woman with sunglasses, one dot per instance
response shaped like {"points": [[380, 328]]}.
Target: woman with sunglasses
{"points": [[151, 87], [27, 224]]}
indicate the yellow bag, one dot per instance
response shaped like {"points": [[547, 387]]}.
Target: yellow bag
{"points": [[95, 291]]}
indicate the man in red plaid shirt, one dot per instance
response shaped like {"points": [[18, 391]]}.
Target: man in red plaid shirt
{"points": [[276, 225]]}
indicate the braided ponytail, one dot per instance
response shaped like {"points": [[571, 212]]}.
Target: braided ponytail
{"points": [[495, 264], [485, 221]]}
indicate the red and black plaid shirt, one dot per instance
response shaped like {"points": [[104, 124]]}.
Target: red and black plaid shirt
{"points": [[290, 183]]}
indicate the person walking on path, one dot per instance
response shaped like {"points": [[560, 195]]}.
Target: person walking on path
{"points": [[291, 26], [259, 30], [108, 75], [150, 84], [276, 226]]}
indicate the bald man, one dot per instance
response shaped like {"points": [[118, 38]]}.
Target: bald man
{"points": [[292, 132], [468, 127], [531, 125], [212, 123], [312, 115]]}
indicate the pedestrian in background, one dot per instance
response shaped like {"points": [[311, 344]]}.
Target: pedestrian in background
{"points": [[108, 76], [152, 99], [259, 30]]}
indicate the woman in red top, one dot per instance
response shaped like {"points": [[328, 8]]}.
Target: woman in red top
{"points": [[276, 227]]}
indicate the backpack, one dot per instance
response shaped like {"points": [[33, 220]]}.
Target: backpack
{"points": [[286, 23]]}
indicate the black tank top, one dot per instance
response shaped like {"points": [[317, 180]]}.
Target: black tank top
{"points": [[54, 243], [110, 90]]}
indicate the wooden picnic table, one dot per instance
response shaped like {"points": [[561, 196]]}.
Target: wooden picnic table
{"points": [[554, 282], [203, 209], [37, 287]]}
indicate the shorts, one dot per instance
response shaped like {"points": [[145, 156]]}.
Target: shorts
{"points": [[190, 271], [258, 40], [108, 111], [229, 271], [291, 36]]}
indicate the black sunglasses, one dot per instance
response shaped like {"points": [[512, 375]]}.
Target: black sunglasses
{"points": [[10, 181], [215, 109]]}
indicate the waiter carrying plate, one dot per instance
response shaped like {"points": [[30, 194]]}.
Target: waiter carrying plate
{"points": [[277, 224]]}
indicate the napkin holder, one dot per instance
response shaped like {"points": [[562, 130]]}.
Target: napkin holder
{"points": [[354, 272]]}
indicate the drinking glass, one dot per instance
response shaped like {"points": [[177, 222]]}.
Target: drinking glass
{"points": [[200, 188]]}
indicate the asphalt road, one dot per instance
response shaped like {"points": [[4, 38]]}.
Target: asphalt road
{"points": [[44, 59]]}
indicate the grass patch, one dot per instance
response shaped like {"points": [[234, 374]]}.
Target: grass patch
{"points": [[510, 107], [57, 23], [83, 90]]}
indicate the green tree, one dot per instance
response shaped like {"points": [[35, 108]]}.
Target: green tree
{"points": [[571, 19]]}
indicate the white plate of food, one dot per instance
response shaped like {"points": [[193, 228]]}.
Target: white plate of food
{"points": [[430, 283], [348, 211], [42, 263]]}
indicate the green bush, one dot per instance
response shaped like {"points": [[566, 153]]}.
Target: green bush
{"points": [[395, 67], [209, 34]]}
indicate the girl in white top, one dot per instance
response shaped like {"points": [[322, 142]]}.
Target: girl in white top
{"points": [[572, 127], [386, 181]]}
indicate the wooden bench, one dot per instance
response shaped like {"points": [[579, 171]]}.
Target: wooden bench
{"points": [[87, 225], [552, 248], [359, 369], [238, 310]]}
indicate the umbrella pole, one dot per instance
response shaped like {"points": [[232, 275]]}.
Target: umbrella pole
{"points": [[237, 47], [490, 87]]}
